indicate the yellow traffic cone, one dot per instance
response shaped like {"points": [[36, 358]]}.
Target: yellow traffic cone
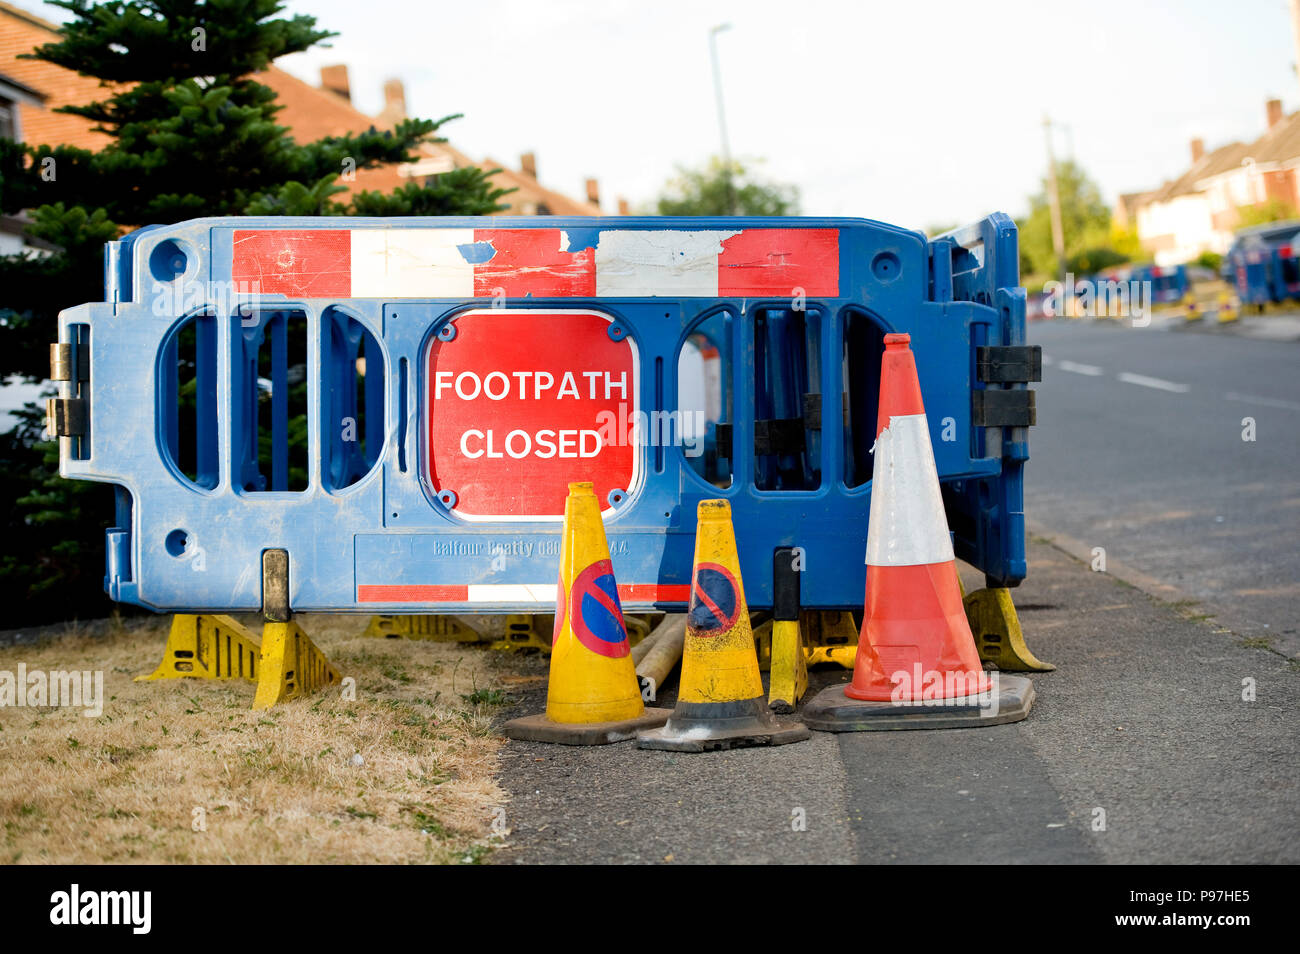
{"points": [[720, 704], [594, 696]]}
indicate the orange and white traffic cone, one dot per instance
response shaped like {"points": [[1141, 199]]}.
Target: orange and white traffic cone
{"points": [[917, 666]]}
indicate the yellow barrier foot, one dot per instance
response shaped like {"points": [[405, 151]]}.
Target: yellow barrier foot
{"points": [[207, 647], [830, 636], [291, 666], [789, 679], [996, 628], [443, 629], [536, 631], [761, 624], [527, 631]]}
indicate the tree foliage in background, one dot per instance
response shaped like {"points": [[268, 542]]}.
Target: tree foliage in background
{"points": [[718, 189], [1273, 210], [1085, 219], [192, 133]]}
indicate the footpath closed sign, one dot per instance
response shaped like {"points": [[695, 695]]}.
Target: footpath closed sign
{"points": [[520, 403]]}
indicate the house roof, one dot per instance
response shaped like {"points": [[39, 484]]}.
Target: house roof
{"points": [[310, 112], [1280, 144], [21, 32], [21, 91], [1214, 163]]}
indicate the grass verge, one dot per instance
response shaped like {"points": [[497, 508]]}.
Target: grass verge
{"points": [[182, 771]]}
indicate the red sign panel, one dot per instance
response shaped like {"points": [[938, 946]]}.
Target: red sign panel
{"points": [[521, 403]]}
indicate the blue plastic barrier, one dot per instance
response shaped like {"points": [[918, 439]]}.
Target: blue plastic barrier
{"points": [[1169, 283], [1264, 263], [372, 396]]}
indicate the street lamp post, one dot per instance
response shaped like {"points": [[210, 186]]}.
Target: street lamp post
{"points": [[722, 116]]}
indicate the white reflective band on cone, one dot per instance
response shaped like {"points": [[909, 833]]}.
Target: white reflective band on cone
{"points": [[908, 526]]}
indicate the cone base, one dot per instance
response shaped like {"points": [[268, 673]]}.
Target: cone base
{"points": [[833, 711], [538, 728], [712, 727]]}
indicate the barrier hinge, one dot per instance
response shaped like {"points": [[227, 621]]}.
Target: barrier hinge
{"points": [[779, 436], [999, 408], [812, 412], [722, 438], [65, 417], [1009, 364]]}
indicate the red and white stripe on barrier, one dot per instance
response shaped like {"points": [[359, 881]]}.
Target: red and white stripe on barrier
{"points": [[508, 593], [541, 262]]}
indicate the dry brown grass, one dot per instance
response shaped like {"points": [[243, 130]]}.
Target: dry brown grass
{"points": [[277, 786]]}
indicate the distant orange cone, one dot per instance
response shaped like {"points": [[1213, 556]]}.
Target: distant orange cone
{"points": [[917, 665]]}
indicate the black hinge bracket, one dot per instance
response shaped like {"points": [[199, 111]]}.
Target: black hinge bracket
{"points": [[722, 439], [779, 436], [1009, 364], [998, 408], [812, 412], [65, 417]]}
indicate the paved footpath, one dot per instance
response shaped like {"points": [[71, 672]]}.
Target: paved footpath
{"points": [[1144, 720]]}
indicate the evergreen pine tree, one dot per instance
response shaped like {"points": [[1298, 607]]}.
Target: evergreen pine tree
{"points": [[192, 133]]}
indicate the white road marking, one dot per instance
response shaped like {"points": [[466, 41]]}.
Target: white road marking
{"points": [[1262, 401], [1047, 359], [1091, 370], [1158, 383]]}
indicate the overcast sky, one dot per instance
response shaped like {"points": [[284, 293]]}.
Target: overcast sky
{"points": [[914, 113]]}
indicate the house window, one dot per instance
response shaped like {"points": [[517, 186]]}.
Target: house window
{"points": [[8, 119]]}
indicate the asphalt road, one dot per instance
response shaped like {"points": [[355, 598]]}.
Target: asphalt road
{"points": [[1139, 748], [1139, 450], [1146, 744]]}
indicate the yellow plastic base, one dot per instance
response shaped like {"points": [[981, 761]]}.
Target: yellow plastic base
{"points": [[286, 665], [830, 636], [789, 667], [447, 629], [997, 632], [207, 647], [292, 666]]}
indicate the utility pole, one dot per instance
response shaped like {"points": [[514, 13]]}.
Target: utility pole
{"points": [[1054, 203], [722, 116]]}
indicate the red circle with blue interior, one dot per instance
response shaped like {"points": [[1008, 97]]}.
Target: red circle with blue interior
{"points": [[596, 615], [715, 600]]}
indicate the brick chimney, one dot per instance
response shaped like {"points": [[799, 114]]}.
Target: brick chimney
{"points": [[394, 100], [593, 191], [623, 207], [335, 79], [1198, 150], [528, 163], [1275, 114]]}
